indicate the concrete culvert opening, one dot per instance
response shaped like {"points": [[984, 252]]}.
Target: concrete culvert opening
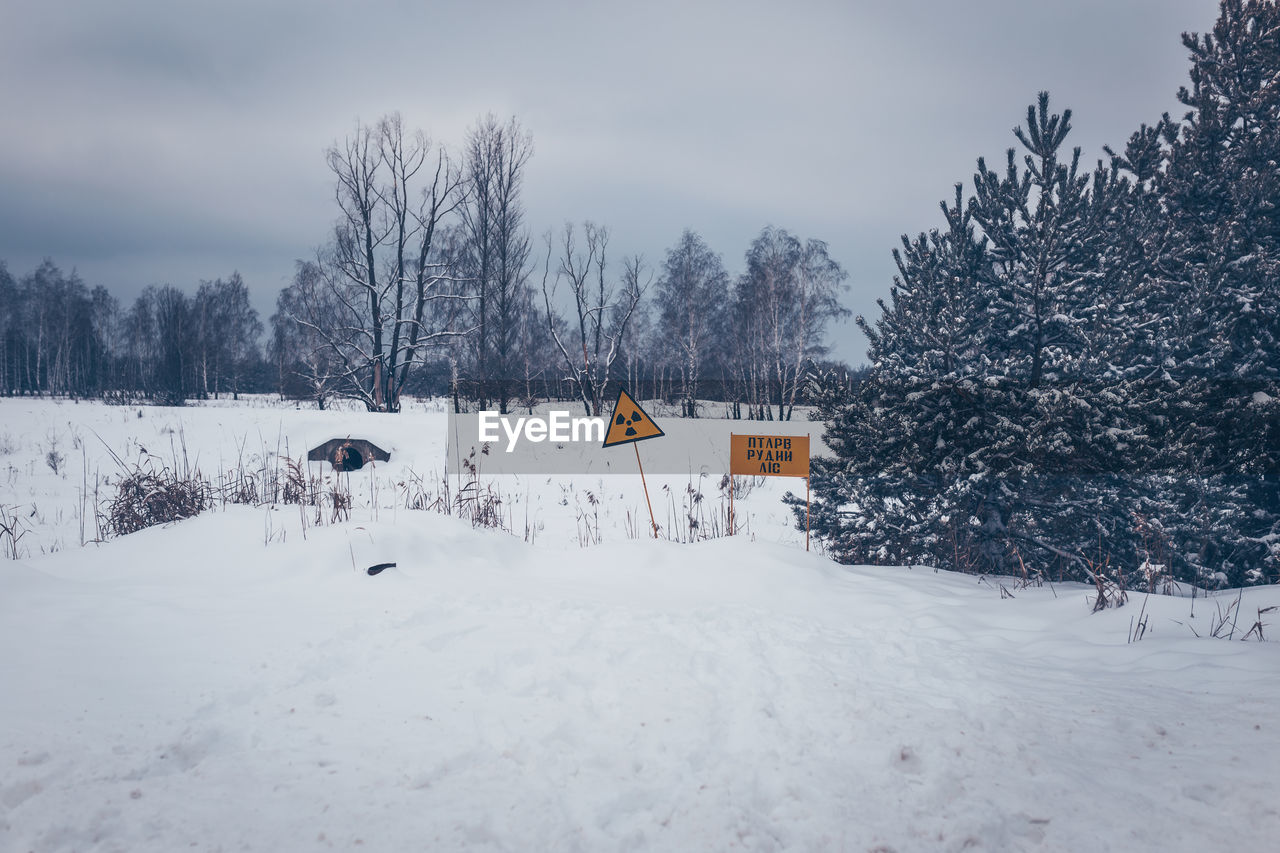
{"points": [[348, 454]]}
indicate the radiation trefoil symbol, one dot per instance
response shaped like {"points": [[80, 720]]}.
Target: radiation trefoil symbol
{"points": [[630, 423]]}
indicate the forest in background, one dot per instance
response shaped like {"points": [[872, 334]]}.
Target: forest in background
{"points": [[432, 284]]}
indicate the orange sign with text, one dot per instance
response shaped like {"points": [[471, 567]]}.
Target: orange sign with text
{"points": [[769, 455]]}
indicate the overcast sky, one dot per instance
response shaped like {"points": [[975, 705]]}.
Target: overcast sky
{"points": [[157, 141]]}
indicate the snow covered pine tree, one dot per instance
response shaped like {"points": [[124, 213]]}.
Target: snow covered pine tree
{"points": [[1219, 303], [1080, 374]]}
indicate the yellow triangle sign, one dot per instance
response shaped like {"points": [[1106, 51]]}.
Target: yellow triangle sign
{"points": [[629, 423]]}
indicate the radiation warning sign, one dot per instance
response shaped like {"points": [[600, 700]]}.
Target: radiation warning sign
{"points": [[769, 455], [629, 423]]}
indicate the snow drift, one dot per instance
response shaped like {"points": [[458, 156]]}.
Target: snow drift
{"points": [[197, 687]]}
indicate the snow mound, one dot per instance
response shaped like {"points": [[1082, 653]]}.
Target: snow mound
{"points": [[229, 683]]}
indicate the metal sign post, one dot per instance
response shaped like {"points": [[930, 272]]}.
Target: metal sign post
{"points": [[631, 424]]}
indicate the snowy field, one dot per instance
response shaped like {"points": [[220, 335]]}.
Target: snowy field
{"points": [[237, 682]]}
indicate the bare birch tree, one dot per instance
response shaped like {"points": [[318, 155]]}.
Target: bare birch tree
{"points": [[601, 310], [693, 297], [786, 297]]}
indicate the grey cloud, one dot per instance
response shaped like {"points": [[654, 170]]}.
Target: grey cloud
{"points": [[188, 139]]}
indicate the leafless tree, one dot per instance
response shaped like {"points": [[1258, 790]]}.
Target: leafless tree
{"points": [[819, 281], [601, 310], [227, 333], [785, 299], [693, 298], [373, 286], [498, 250], [304, 360]]}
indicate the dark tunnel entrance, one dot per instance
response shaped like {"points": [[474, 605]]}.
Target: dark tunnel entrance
{"points": [[348, 458]]}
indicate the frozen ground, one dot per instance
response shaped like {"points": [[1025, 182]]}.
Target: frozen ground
{"points": [[236, 682]]}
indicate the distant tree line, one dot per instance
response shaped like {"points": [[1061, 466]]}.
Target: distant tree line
{"points": [[431, 283], [58, 336], [1077, 374]]}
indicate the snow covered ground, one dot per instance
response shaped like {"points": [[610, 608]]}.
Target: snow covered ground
{"points": [[237, 682], [55, 503]]}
